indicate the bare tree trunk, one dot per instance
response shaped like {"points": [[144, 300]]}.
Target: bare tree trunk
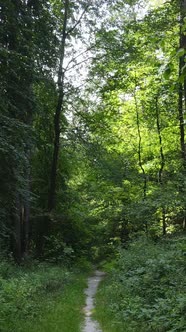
{"points": [[139, 155], [26, 214], [182, 86], [57, 117], [162, 164], [139, 151], [17, 230], [182, 96], [164, 221]]}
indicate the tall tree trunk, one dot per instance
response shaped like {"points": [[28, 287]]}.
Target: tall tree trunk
{"points": [[139, 150], [17, 231], [139, 155], [57, 117], [182, 86], [162, 163], [164, 221], [182, 96], [26, 209], [21, 110]]}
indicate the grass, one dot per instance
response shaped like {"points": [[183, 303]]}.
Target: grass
{"points": [[44, 299], [65, 313], [106, 318]]}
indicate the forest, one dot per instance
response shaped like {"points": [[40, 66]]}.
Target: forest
{"points": [[92, 164]]}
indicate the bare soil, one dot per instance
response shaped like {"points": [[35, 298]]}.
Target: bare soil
{"points": [[90, 325]]}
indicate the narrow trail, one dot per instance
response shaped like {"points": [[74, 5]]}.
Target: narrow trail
{"points": [[91, 325]]}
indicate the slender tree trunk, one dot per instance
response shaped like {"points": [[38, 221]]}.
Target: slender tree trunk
{"points": [[162, 163], [139, 155], [139, 151], [164, 221], [16, 216], [21, 206], [181, 114], [26, 214], [57, 117], [17, 230], [182, 96], [182, 86]]}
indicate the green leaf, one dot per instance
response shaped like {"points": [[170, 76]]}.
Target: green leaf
{"points": [[167, 72], [180, 52]]}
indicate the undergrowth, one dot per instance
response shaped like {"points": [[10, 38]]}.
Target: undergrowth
{"points": [[42, 298], [145, 292]]}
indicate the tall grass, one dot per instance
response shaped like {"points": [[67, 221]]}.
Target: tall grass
{"points": [[45, 298], [65, 313]]}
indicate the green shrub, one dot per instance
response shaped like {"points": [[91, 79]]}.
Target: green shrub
{"points": [[146, 290], [23, 291]]}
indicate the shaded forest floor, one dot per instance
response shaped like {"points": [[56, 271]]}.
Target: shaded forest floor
{"points": [[144, 290], [43, 298]]}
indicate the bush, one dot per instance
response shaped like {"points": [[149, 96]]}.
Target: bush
{"points": [[146, 290], [22, 291]]}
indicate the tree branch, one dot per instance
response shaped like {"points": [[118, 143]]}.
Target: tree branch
{"points": [[78, 21], [77, 56]]}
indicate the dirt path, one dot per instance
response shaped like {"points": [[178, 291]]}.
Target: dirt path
{"points": [[91, 325]]}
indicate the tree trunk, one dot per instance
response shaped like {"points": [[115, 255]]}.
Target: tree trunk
{"points": [[182, 86], [17, 231], [139, 156], [57, 117], [139, 150], [26, 210], [162, 163], [164, 221], [20, 109]]}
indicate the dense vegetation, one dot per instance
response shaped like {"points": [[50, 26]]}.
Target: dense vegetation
{"points": [[92, 141], [41, 298], [92, 148], [146, 289]]}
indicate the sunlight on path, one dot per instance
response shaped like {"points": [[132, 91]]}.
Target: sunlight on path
{"points": [[91, 325]]}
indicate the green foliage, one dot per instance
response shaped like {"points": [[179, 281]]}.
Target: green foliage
{"points": [[27, 46], [112, 182], [41, 297], [133, 124], [146, 290], [57, 251]]}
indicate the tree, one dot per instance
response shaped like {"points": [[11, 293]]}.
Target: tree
{"points": [[92, 117], [23, 56], [132, 61], [182, 84]]}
